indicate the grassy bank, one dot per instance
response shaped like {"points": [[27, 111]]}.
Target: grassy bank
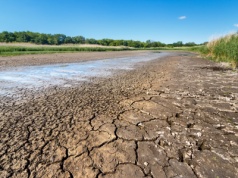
{"points": [[18, 50], [14, 50], [222, 49]]}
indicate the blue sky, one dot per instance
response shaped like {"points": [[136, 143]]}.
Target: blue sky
{"points": [[167, 21]]}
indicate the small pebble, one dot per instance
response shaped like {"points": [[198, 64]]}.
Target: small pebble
{"points": [[146, 164]]}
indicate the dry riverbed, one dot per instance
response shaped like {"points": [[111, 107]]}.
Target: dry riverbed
{"points": [[172, 117], [43, 59]]}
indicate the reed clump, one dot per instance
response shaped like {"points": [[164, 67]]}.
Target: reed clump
{"points": [[223, 49]]}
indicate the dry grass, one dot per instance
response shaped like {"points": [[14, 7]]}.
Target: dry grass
{"points": [[223, 49], [64, 45]]}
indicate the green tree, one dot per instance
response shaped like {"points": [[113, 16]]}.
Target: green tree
{"points": [[7, 37], [68, 39], [178, 44], [190, 44], [22, 37], [78, 40]]}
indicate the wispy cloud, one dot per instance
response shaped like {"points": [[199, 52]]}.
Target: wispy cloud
{"points": [[182, 17], [236, 25]]}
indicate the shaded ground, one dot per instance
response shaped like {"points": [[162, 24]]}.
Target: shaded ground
{"points": [[176, 117]]}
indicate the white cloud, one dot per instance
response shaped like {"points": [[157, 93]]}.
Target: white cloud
{"points": [[182, 17], [236, 25]]}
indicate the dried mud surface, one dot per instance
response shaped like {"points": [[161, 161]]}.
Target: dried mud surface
{"points": [[173, 117], [42, 59]]}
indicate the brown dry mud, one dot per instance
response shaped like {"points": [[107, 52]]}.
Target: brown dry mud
{"points": [[168, 118], [42, 59]]}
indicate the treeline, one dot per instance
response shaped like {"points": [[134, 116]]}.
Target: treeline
{"points": [[59, 39]]}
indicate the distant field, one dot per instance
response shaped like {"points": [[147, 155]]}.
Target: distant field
{"points": [[14, 49], [63, 45]]}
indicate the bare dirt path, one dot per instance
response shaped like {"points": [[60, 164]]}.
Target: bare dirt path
{"points": [[175, 117]]}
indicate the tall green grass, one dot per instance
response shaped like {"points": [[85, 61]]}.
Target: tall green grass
{"points": [[17, 50], [223, 49]]}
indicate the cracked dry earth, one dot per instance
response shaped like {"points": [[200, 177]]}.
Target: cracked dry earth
{"points": [[168, 118]]}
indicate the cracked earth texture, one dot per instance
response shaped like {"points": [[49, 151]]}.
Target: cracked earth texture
{"points": [[169, 118]]}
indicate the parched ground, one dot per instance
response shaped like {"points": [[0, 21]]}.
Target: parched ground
{"points": [[173, 117], [44, 59]]}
